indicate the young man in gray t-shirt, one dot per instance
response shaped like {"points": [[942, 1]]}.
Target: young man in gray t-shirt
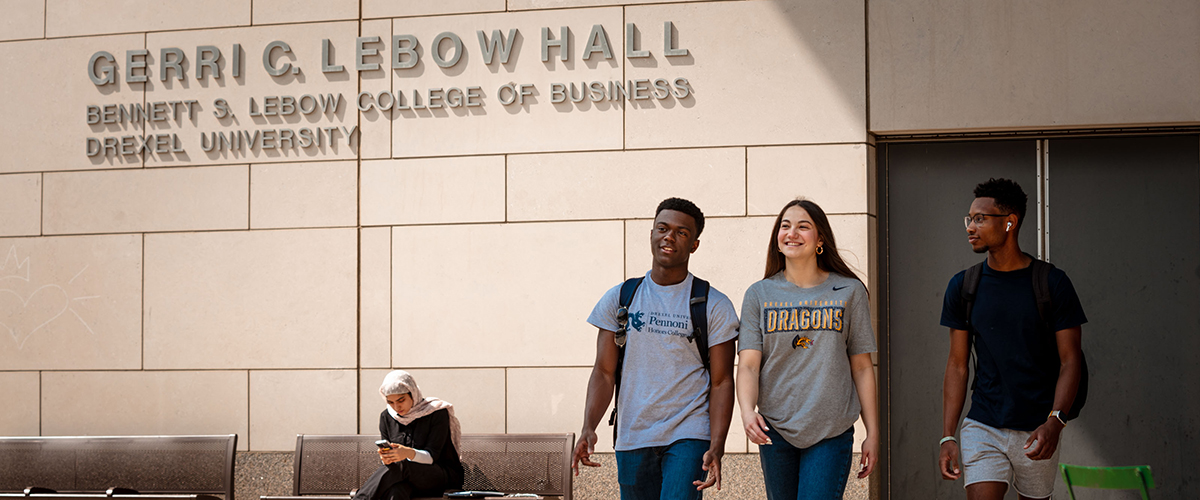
{"points": [[673, 415]]}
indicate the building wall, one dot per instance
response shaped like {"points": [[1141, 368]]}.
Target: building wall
{"points": [[265, 291], [1008, 65]]}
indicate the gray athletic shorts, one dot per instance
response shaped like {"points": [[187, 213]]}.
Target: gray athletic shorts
{"points": [[991, 454]]}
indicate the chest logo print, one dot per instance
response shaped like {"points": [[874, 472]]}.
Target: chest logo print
{"points": [[635, 320], [806, 316], [804, 342]]}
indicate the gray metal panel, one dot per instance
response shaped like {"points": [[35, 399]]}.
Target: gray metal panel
{"points": [[1125, 225], [930, 188], [149, 464]]}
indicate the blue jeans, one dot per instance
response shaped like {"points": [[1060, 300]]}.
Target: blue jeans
{"points": [[662, 472], [816, 472]]}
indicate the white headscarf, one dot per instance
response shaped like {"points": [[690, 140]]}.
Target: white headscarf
{"points": [[401, 382]]}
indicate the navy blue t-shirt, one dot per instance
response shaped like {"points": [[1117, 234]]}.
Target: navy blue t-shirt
{"points": [[1017, 353]]}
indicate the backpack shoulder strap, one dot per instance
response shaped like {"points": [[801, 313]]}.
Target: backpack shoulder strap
{"points": [[699, 310], [970, 285], [628, 289], [1041, 288]]}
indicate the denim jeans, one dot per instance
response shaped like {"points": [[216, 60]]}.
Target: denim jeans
{"points": [[662, 472], [816, 472]]}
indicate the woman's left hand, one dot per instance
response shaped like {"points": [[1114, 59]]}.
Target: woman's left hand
{"points": [[870, 455]]}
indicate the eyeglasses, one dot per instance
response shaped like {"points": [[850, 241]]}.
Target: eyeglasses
{"points": [[979, 218]]}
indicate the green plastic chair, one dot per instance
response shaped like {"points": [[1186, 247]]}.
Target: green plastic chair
{"points": [[1110, 478]]}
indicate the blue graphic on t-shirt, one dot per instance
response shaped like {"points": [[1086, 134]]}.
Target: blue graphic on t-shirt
{"points": [[635, 320]]}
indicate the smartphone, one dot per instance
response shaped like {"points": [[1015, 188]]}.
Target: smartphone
{"points": [[383, 444]]}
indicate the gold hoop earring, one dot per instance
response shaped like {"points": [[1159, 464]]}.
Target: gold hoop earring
{"points": [[820, 250]]}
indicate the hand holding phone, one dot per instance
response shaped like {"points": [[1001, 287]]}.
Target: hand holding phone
{"points": [[386, 453]]}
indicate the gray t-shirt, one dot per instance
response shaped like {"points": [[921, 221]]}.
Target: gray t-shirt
{"points": [[806, 335], [664, 387]]}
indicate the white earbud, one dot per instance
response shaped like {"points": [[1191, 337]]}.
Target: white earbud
{"points": [[1009, 226]]}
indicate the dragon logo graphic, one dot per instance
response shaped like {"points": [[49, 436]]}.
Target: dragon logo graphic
{"points": [[635, 320], [804, 342]]}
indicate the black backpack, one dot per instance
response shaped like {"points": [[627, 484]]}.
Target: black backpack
{"points": [[699, 310], [1041, 292]]}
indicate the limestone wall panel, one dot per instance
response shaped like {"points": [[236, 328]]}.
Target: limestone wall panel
{"points": [[251, 299], [22, 19], [303, 11], [478, 396], [75, 18], [533, 124], [375, 126], [282, 129], [833, 176], [1028, 64], [759, 73], [375, 297], [20, 205], [624, 184], [560, 4], [21, 413], [855, 234], [316, 194], [411, 8], [488, 292], [71, 303], [49, 103], [731, 256], [552, 400], [146, 200], [433, 190], [147, 403], [284, 403]]}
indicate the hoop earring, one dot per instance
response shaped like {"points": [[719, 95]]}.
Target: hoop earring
{"points": [[820, 250]]}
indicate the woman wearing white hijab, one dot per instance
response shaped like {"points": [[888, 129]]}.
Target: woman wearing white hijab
{"points": [[424, 435]]}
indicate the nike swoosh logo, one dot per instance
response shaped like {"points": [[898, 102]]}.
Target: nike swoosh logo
{"points": [[836, 288]]}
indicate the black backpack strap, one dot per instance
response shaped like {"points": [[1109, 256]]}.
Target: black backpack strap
{"points": [[626, 298], [699, 310], [970, 285], [1041, 292], [1041, 288]]}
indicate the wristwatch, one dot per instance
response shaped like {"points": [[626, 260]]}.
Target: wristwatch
{"points": [[1057, 414]]}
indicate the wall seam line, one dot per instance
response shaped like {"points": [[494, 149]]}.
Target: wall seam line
{"points": [[143, 360], [358, 350], [41, 407]]}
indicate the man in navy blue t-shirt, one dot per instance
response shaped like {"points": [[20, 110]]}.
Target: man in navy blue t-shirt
{"points": [[1028, 368]]}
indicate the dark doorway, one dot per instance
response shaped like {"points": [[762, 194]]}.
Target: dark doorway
{"points": [[1123, 219]]}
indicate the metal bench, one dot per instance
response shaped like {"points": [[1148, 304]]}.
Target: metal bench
{"points": [[118, 467], [331, 467]]}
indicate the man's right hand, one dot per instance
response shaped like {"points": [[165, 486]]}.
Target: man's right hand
{"points": [[583, 451], [948, 461]]}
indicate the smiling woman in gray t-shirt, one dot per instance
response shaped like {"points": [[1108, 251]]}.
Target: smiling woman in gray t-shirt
{"points": [[805, 361]]}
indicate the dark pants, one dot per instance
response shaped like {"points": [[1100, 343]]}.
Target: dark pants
{"points": [[816, 472], [662, 472], [403, 480]]}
